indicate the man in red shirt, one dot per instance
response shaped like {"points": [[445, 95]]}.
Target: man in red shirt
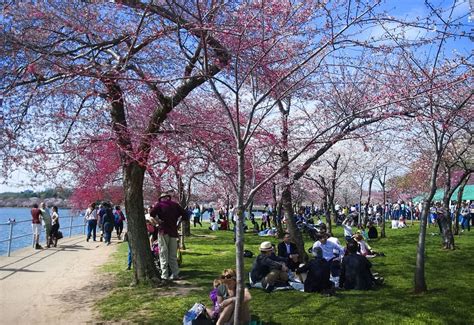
{"points": [[168, 214], [36, 225]]}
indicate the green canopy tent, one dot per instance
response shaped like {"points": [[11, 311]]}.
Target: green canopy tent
{"points": [[467, 195]]}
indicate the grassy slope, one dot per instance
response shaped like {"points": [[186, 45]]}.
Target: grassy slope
{"points": [[450, 275]]}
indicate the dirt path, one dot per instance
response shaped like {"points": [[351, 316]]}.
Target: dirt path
{"points": [[55, 285]]}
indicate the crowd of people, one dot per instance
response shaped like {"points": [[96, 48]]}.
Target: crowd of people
{"points": [[333, 265], [106, 218], [42, 217]]}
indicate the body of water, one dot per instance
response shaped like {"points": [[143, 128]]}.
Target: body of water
{"points": [[22, 227]]}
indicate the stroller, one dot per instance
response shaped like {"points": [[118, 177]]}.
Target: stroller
{"points": [[155, 250]]}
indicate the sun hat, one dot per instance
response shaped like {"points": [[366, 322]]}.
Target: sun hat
{"points": [[266, 246], [164, 194]]}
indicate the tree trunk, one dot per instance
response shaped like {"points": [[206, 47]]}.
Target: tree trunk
{"points": [[333, 214], [239, 236], [276, 212], [458, 205], [420, 282], [369, 194], [295, 234], [183, 201], [144, 267], [445, 218], [186, 226], [250, 208], [382, 231], [133, 176], [286, 198], [278, 216]]}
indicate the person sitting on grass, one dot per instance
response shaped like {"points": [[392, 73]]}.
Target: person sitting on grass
{"points": [[317, 279], [372, 232], [288, 250], [256, 227], [355, 270], [330, 248], [364, 248], [223, 298], [223, 224], [267, 270]]}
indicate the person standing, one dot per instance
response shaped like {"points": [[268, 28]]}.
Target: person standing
{"points": [[168, 215], [197, 215], [54, 226], [36, 225], [46, 223], [90, 218], [465, 213]]}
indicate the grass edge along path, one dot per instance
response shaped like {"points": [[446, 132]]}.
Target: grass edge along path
{"points": [[450, 276]]}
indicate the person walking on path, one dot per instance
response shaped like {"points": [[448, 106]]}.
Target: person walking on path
{"points": [[36, 225], [90, 218], [119, 218], [107, 219], [46, 222], [55, 226], [168, 214]]}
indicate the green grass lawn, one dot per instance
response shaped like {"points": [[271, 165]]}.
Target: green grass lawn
{"points": [[450, 277]]}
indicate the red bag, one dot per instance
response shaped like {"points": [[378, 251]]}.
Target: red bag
{"points": [[150, 228]]}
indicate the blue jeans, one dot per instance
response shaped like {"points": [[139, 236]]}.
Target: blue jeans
{"points": [[91, 228], [129, 256], [466, 223]]}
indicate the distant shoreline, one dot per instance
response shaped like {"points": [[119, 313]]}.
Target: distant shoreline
{"points": [[28, 202]]}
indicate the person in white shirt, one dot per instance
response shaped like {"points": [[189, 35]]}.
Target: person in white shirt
{"points": [[346, 224], [90, 218], [330, 248]]}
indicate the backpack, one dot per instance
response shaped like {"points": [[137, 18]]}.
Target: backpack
{"points": [[248, 253], [196, 316]]}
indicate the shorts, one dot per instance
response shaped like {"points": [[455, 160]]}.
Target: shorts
{"points": [[36, 227]]}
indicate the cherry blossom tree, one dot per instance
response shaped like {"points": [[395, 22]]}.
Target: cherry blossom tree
{"points": [[75, 70]]}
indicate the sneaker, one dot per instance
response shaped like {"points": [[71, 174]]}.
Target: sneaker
{"points": [[175, 277], [269, 288], [38, 246], [87, 239]]}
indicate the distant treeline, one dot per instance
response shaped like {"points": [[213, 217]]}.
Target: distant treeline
{"points": [[58, 193]]}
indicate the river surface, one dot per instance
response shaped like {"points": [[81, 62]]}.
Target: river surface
{"points": [[22, 227]]}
